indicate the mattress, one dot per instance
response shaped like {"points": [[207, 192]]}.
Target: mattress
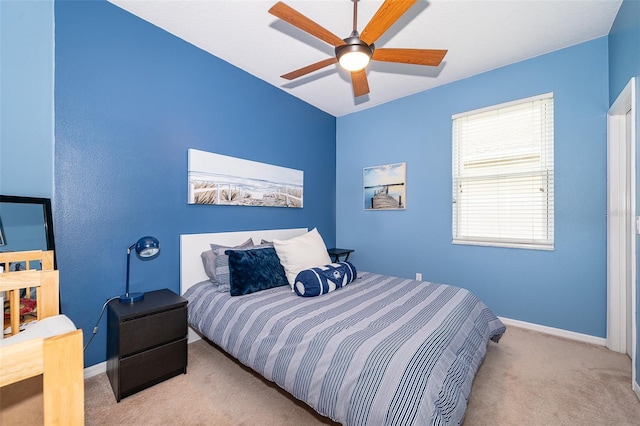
{"points": [[380, 351], [47, 327]]}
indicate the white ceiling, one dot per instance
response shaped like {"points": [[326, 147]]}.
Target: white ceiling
{"points": [[480, 35]]}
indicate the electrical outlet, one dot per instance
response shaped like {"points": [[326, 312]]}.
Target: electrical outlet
{"points": [[418, 276]]}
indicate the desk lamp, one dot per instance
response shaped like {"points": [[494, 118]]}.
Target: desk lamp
{"points": [[146, 248]]}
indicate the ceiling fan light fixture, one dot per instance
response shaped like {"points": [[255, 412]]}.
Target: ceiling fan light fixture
{"points": [[355, 55], [354, 61]]}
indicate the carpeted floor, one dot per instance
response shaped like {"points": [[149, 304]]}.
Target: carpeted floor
{"points": [[531, 378], [528, 379]]}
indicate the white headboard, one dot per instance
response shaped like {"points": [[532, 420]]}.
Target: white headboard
{"points": [[192, 245]]}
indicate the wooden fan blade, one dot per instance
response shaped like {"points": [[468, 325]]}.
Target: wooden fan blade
{"points": [[309, 68], [387, 15], [431, 57], [297, 19], [360, 83]]}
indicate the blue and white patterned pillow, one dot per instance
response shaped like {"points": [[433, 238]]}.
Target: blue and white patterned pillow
{"points": [[323, 279], [209, 258]]}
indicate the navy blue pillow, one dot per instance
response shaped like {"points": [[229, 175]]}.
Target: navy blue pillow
{"points": [[254, 270], [323, 279]]}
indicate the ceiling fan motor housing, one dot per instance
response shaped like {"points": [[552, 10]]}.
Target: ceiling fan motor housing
{"points": [[354, 44]]}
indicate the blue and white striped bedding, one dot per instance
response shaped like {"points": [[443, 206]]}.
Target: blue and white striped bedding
{"points": [[380, 351]]}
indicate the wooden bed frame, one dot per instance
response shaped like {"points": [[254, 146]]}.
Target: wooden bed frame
{"points": [[59, 358]]}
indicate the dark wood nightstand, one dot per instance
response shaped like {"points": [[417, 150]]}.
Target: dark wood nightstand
{"points": [[146, 341], [335, 254]]}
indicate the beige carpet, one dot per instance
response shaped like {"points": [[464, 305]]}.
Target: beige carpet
{"points": [[528, 379]]}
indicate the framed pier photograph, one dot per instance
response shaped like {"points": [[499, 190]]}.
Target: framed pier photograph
{"points": [[385, 187]]}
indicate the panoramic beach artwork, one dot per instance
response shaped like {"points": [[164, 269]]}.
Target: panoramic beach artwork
{"points": [[222, 180], [385, 187]]}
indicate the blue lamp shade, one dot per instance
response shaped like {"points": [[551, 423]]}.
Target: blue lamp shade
{"points": [[146, 248]]}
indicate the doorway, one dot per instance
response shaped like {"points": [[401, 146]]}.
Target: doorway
{"points": [[623, 224]]}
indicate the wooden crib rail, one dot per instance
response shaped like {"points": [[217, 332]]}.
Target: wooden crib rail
{"points": [[47, 293], [21, 361], [45, 257], [59, 358], [60, 361], [46, 262]]}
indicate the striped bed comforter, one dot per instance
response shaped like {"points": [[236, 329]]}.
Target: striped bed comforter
{"points": [[380, 351]]}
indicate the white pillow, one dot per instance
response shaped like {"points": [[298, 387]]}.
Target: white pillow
{"points": [[303, 252]]}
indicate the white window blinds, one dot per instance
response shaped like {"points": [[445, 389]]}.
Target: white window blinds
{"points": [[503, 175]]}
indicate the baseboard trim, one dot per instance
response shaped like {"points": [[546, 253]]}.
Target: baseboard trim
{"points": [[95, 369], [586, 338], [636, 388], [193, 336]]}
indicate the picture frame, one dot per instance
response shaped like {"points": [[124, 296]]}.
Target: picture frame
{"points": [[26, 223], [2, 239], [216, 179], [384, 187]]}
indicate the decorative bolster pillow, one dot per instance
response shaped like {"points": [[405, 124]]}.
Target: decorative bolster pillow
{"points": [[323, 279]]}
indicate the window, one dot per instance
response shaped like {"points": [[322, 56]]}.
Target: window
{"points": [[503, 175]]}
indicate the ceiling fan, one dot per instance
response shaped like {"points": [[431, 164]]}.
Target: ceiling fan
{"points": [[354, 52]]}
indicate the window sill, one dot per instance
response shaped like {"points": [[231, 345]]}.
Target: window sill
{"points": [[504, 245]]}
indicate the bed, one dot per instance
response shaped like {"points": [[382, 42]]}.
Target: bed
{"points": [[50, 346], [379, 351]]}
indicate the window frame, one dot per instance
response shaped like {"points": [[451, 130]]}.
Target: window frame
{"points": [[545, 172]]}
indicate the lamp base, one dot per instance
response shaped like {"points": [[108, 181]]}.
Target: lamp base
{"points": [[131, 297]]}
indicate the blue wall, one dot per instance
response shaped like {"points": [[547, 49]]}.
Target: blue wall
{"points": [[565, 288], [624, 48], [130, 100], [26, 84], [624, 63]]}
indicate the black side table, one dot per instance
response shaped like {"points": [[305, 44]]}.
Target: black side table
{"points": [[335, 254], [146, 341]]}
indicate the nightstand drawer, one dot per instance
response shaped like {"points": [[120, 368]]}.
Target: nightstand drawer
{"points": [[145, 332], [145, 369]]}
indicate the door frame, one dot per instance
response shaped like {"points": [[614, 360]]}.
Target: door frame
{"points": [[619, 187]]}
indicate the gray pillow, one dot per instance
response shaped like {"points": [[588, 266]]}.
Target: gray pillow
{"points": [[209, 258], [209, 263], [222, 262]]}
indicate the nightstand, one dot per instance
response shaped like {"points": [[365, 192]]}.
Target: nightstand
{"points": [[335, 254], [146, 341]]}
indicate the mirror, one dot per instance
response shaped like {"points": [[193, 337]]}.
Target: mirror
{"points": [[26, 223]]}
